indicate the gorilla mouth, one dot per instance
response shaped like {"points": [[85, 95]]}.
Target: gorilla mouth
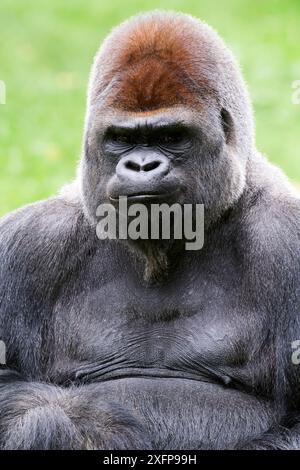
{"points": [[153, 196]]}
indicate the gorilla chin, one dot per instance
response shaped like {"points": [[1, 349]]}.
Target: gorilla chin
{"points": [[143, 344]]}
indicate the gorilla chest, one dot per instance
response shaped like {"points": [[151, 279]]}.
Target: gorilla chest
{"points": [[187, 332]]}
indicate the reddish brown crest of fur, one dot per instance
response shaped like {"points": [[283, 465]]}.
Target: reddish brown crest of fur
{"points": [[155, 65], [151, 84]]}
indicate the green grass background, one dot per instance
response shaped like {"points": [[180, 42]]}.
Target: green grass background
{"points": [[46, 50]]}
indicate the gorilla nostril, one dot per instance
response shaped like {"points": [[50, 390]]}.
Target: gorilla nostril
{"points": [[142, 166], [151, 166], [130, 165]]}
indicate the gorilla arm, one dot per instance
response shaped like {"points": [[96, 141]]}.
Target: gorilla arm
{"points": [[273, 282], [33, 414]]}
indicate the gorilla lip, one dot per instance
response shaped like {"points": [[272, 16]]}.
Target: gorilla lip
{"points": [[154, 196]]}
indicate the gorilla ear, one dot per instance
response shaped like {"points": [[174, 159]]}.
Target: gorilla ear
{"points": [[228, 126]]}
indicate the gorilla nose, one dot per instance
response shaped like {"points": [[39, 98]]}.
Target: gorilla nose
{"points": [[144, 166]]}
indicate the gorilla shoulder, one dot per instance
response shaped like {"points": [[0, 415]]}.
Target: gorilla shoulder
{"points": [[40, 238], [269, 234]]}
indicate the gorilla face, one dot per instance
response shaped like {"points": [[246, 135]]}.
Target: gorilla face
{"points": [[164, 156], [147, 153]]}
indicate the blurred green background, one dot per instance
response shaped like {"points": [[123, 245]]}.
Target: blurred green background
{"points": [[46, 50]]}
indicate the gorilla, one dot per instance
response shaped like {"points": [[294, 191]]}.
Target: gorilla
{"points": [[142, 344]]}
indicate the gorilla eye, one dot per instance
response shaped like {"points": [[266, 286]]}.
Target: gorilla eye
{"points": [[118, 140], [172, 138], [121, 139]]}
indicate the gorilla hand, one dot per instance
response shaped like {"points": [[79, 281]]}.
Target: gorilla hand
{"points": [[41, 416]]}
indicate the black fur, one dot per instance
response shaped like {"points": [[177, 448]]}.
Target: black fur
{"points": [[100, 356]]}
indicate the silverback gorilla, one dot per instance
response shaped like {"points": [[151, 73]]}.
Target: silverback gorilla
{"points": [[114, 344]]}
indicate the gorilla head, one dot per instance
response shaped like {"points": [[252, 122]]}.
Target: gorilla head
{"points": [[168, 117]]}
